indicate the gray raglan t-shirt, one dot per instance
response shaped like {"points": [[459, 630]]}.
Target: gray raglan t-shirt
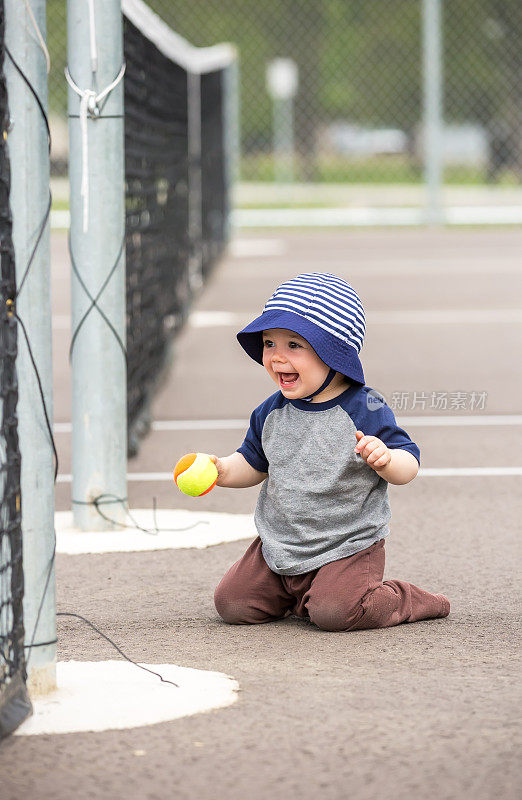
{"points": [[321, 501]]}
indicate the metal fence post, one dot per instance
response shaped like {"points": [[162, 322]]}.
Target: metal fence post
{"points": [[99, 416], [195, 197], [433, 119], [231, 122], [29, 157]]}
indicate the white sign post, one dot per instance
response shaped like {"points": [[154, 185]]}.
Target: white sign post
{"points": [[282, 82]]}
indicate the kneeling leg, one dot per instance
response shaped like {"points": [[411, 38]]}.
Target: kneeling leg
{"points": [[250, 592], [350, 594]]}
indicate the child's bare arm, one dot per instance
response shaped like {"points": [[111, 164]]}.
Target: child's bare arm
{"points": [[402, 468], [395, 466], [234, 472]]}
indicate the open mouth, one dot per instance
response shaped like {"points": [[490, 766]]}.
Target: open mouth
{"points": [[288, 379]]}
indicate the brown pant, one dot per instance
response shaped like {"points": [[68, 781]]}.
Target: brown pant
{"points": [[344, 595]]}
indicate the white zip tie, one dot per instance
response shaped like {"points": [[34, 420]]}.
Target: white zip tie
{"points": [[89, 102], [92, 33], [39, 36]]}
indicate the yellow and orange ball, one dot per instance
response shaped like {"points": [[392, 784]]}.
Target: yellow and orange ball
{"points": [[195, 474]]}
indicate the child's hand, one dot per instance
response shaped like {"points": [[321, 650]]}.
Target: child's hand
{"points": [[373, 451], [220, 466]]}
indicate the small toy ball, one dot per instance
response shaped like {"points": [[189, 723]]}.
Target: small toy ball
{"points": [[195, 474]]}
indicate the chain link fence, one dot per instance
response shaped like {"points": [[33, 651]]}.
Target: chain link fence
{"points": [[355, 115]]}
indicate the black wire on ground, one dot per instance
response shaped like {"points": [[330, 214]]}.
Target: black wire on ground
{"points": [[111, 499], [120, 651]]}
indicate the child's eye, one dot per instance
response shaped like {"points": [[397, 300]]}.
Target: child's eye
{"points": [[267, 343], [294, 344]]}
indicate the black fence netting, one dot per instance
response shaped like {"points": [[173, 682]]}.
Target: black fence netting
{"points": [[157, 219], [14, 702], [177, 201]]}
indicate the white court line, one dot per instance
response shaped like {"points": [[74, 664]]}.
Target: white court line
{"points": [[369, 216], [60, 219], [180, 425], [201, 425], [468, 472], [216, 319], [449, 315], [61, 322], [154, 477], [454, 316], [241, 248], [394, 268], [454, 421], [427, 472], [346, 217], [242, 424]]}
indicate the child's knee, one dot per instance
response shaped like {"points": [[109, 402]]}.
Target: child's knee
{"points": [[231, 608], [333, 615]]}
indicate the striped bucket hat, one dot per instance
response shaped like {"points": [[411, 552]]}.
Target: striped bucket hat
{"points": [[324, 310]]}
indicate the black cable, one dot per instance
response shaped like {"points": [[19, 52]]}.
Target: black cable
{"points": [[44, 593], [94, 300], [100, 500], [40, 389], [100, 116], [41, 644], [38, 238], [33, 92], [120, 651]]}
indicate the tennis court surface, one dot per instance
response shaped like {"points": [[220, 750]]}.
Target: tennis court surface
{"points": [[421, 710]]}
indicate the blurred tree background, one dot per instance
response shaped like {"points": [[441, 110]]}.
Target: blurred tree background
{"points": [[359, 67]]}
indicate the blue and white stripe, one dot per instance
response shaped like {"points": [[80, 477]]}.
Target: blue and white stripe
{"points": [[327, 301]]}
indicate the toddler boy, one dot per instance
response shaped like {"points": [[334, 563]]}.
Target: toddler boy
{"points": [[324, 446]]}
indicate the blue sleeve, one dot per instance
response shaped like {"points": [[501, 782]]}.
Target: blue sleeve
{"points": [[374, 417], [252, 448], [389, 432]]}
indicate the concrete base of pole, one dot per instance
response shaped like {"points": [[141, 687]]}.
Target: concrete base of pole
{"points": [[176, 528], [115, 695], [41, 679]]}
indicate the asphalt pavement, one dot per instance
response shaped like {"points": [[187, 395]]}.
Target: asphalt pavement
{"points": [[420, 710]]}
